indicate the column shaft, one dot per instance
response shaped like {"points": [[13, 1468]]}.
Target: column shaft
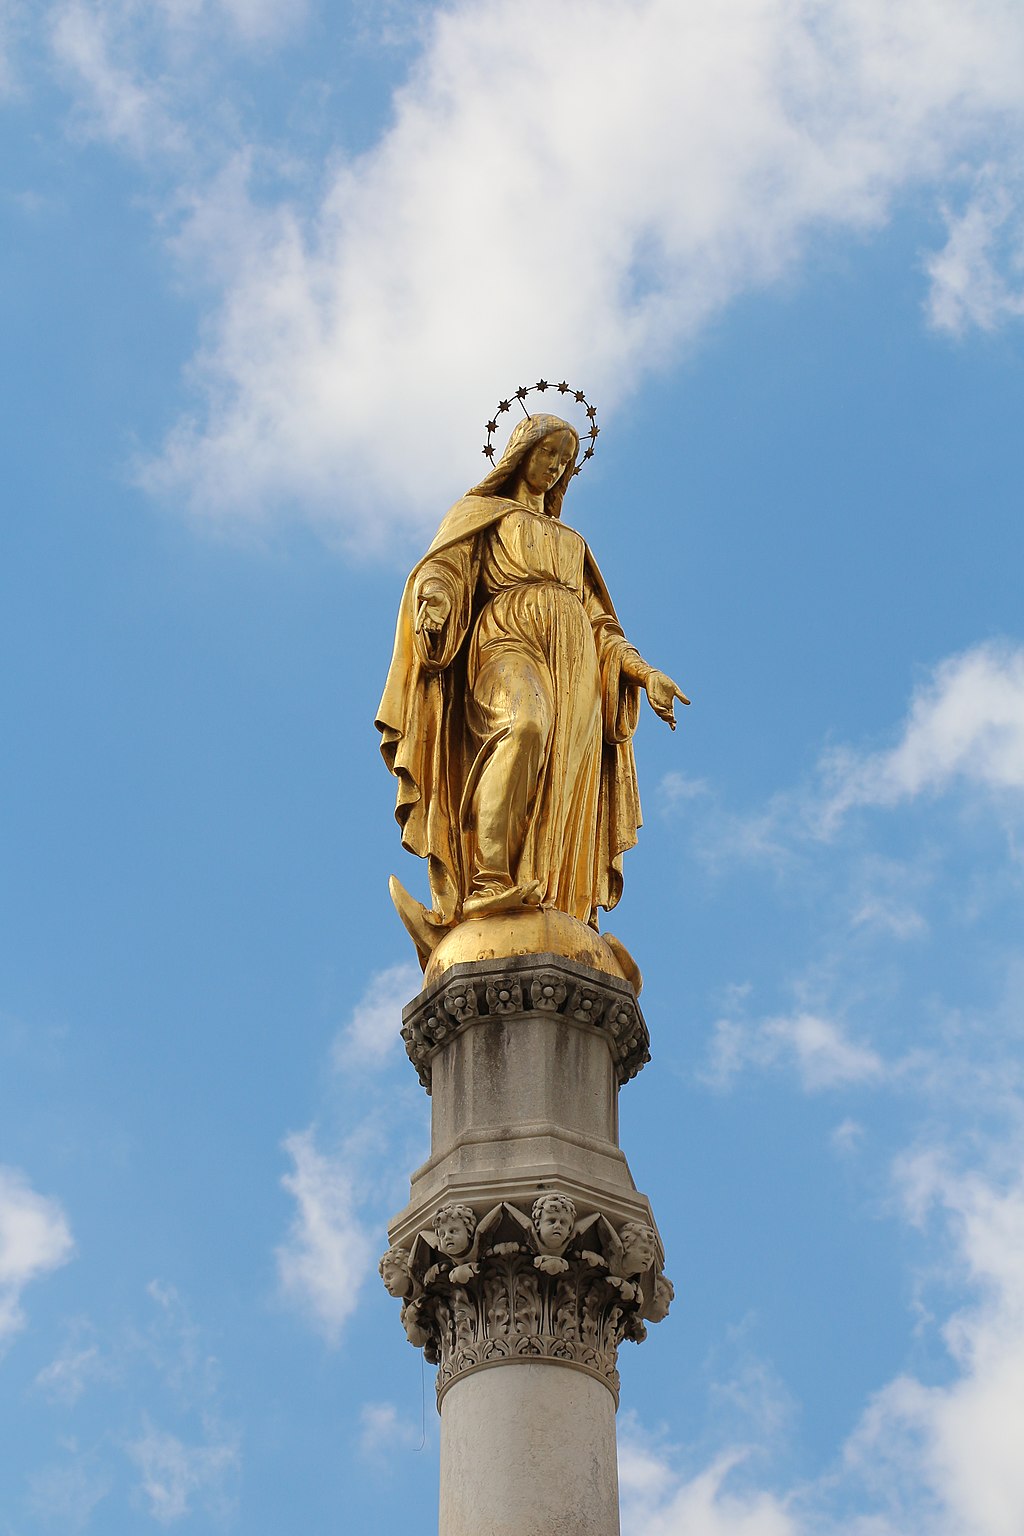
{"points": [[528, 1449]]}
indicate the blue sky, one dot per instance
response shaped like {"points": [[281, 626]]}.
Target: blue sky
{"points": [[265, 271]]}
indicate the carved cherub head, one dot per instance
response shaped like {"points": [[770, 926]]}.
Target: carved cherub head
{"points": [[394, 1271], [454, 1225], [554, 1217], [639, 1247], [664, 1293]]}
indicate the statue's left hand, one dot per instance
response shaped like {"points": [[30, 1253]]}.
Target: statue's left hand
{"points": [[662, 693]]}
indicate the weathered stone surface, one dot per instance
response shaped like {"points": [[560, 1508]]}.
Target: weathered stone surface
{"points": [[528, 1452], [525, 1242], [520, 985], [525, 1097], [545, 1282]]}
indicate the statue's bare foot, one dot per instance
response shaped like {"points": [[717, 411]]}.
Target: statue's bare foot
{"points": [[493, 898]]}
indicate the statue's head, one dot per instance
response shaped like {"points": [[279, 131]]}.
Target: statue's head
{"points": [[664, 1293], [554, 1217], [454, 1225], [395, 1272], [537, 447], [639, 1247]]}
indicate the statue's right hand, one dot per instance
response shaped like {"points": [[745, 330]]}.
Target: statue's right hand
{"points": [[432, 612]]}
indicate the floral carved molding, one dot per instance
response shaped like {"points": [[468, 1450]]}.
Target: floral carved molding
{"points": [[583, 998]]}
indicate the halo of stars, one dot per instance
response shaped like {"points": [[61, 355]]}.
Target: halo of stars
{"points": [[542, 385]]}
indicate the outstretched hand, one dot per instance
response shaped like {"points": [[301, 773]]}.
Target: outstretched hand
{"points": [[662, 693]]}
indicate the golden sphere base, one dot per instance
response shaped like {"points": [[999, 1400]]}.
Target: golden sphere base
{"points": [[532, 931]]}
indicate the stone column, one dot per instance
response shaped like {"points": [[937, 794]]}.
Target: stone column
{"points": [[528, 1451], [526, 1255]]}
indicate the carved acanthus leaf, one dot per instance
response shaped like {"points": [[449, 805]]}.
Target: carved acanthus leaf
{"points": [[571, 1293]]}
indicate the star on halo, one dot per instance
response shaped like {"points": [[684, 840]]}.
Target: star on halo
{"points": [[542, 385]]}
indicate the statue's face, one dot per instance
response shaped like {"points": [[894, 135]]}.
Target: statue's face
{"points": [[640, 1253], [395, 1275], [544, 463], [554, 1227], [453, 1236], [664, 1291]]}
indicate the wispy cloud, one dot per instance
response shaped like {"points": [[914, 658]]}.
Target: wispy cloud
{"points": [[963, 732], [146, 76], [384, 1432], [656, 1501], [114, 98], [732, 141], [372, 1033], [180, 1456], [176, 1476], [847, 1137], [35, 1238], [68, 1375], [340, 1186], [977, 279], [947, 1457], [62, 1495], [924, 1459], [9, 19], [818, 1048], [676, 788], [328, 1251], [965, 725]]}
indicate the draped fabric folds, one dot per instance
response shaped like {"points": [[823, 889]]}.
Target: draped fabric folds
{"points": [[511, 737]]}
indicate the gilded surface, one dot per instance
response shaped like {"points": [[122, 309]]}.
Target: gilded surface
{"points": [[510, 706]]}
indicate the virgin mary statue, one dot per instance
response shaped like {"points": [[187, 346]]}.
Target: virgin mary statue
{"points": [[511, 702]]}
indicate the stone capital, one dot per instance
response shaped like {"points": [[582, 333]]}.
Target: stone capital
{"points": [[532, 1282]]}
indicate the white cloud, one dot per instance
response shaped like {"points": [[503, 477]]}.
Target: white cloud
{"points": [[924, 1460], [964, 729], [143, 74], [175, 1474], [328, 1253], [658, 1502], [965, 725], [824, 1057], [817, 1047], [373, 1032], [34, 1239], [115, 98], [520, 216], [946, 1459], [977, 279]]}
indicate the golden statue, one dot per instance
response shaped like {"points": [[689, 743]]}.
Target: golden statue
{"points": [[510, 705]]}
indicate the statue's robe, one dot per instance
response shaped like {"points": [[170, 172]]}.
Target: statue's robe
{"points": [[429, 744]]}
